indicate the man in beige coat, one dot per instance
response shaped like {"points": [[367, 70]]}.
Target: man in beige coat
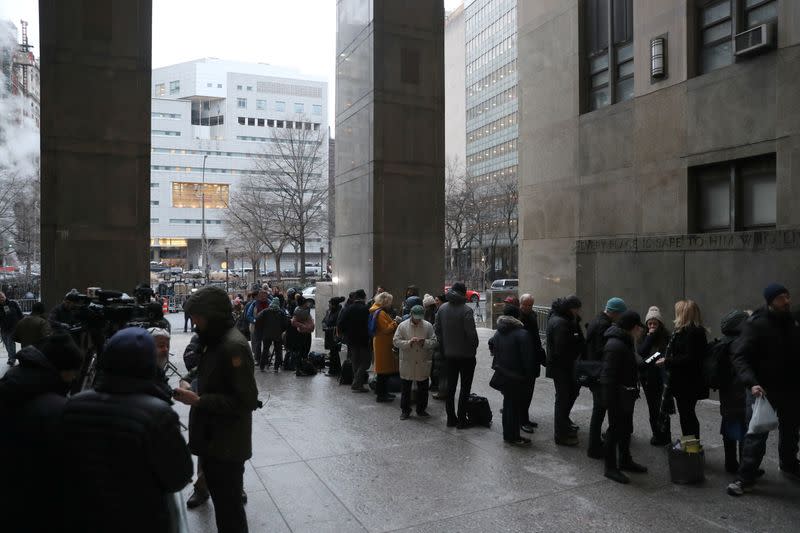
{"points": [[416, 341]]}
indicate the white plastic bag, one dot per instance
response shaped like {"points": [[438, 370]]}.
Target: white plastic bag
{"points": [[764, 418]]}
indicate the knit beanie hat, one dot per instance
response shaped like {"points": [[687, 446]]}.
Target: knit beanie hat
{"points": [[428, 300], [131, 352], [60, 349], [774, 290], [616, 305], [653, 313], [210, 302]]}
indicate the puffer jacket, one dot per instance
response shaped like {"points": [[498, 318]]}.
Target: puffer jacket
{"points": [[767, 353], [122, 438], [565, 341], [620, 365], [512, 349], [416, 361], [455, 328], [385, 361], [596, 337]]}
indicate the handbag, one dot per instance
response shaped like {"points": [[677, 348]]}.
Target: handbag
{"points": [[587, 373], [502, 379]]}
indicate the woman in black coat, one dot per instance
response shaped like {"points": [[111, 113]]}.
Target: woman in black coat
{"points": [[513, 364], [684, 363], [652, 376], [619, 380]]}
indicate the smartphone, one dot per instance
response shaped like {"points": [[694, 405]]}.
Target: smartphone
{"points": [[652, 358]]}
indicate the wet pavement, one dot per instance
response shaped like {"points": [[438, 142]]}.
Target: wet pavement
{"points": [[325, 459]]}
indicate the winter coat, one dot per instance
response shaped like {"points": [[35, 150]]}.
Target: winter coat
{"points": [[732, 395], [329, 327], [31, 329], [531, 325], [192, 353], [385, 361], [620, 366], [650, 374], [596, 337], [416, 361], [273, 322], [125, 454], [353, 322], [410, 302], [220, 424], [512, 349], [684, 362], [767, 353], [32, 398], [565, 342], [10, 315], [255, 310], [61, 317], [455, 328]]}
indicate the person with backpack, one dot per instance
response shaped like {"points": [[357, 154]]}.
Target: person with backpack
{"points": [[652, 376], [765, 357], [275, 323], [513, 362], [298, 337], [620, 382], [684, 359], [565, 345], [732, 397], [381, 328], [595, 344], [458, 338]]}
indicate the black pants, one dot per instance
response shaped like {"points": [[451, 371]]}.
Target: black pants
{"points": [[620, 428], [225, 480], [277, 351], [361, 359], [382, 385], [690, 425], [598, 415], [755, 445], [463, 367], [527, 398], [653, 391], [335, 361], [567, 390], [422, 395], [514, 399]]}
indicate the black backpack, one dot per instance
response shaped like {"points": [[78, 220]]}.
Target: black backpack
{"points": [[478, 411], [346, 374], [717, 363], [305, 368]]}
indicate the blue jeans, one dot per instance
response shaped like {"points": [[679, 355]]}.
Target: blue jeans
{"points": [[11, 346]]}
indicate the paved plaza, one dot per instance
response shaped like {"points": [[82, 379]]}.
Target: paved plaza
{"points": [[325, 459]]}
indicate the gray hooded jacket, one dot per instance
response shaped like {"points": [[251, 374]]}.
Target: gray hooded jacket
{"points": [[455, 328]]}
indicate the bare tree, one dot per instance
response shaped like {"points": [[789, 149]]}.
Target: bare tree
{"points": [[460, 210], [25, 231], [295, 174]]}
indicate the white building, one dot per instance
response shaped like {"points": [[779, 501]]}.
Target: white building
{"points": [[226, 113]]}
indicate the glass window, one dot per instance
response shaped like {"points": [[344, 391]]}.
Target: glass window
{"points": [[715, 204], [758, 12], [260, 122], [249, 87], [261, 104], [242, 121], [185, 194], [599, 52], [208, 84], [270, 123], [241, 103], [280, 106], [299, 108], [174, 87], [716, 12], [219, 86], [716, 34], [160, 89], [316, 109], [238, 87], [251, 121]]}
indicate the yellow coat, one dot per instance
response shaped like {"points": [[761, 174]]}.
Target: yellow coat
{"points": [[385, 360]]}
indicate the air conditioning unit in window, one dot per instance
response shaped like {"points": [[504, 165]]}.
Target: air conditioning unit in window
{"points": [[755, 40]]}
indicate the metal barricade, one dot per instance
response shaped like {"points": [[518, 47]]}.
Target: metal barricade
{"points": [[26, 304], [542, 314]]}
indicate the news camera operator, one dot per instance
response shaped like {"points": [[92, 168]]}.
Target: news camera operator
{"points": [[63, 315]]}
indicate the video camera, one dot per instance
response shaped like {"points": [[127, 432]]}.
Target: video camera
{"points": [[108, 311]]}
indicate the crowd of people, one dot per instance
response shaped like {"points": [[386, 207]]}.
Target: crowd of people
{"points": [[116, 450]]}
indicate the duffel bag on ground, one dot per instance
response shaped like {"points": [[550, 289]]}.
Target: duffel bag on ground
{"points": [[478, 411]]}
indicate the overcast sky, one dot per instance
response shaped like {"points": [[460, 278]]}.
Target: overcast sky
{"points": [[300, 34]]}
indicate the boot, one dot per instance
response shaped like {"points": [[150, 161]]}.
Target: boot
{"points": [[198, 498], [731, 455], [628, 465]]}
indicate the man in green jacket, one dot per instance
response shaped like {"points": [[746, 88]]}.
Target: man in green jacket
{"points": [[220, 421]]}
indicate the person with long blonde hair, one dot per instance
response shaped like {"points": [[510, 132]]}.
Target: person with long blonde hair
{"points": [[684, 361]]}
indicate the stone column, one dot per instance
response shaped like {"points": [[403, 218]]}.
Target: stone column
{"points": [[389, 186], [95, 135]]}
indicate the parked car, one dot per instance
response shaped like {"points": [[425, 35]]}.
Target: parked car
{"points": [[309, 293], [500, 284], [196, 273], [155, 266], [472, 296]]}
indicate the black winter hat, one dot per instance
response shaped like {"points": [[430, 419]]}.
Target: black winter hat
{"points": [[130, 352], [210, 302], [460, 288], [572, 302], [774, 290], [60, 349], [511, 310], [360, 294], [629, 319]]}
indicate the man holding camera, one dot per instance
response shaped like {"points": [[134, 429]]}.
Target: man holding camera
{"points": [[220, 421]]}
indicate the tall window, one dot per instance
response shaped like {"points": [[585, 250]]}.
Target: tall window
{"points": [[160, 89], [299, 108], [241, 103], [174, 87], [261, 104], [608, 47], [280, 106], [735, 196], [316, 109], [720, 20]]}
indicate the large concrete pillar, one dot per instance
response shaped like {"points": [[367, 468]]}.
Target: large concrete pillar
{"points": [[389, 145], [95, 134]]}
